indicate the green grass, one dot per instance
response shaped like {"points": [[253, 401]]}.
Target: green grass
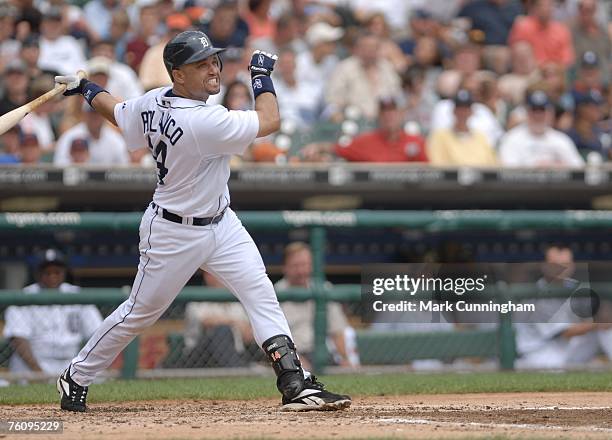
{"points": [[355, 385]]}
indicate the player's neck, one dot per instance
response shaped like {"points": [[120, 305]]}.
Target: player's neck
{"points": [[180, 92]]}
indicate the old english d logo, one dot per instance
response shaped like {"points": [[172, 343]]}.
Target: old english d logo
{"points": [[260, 60], [204, 42]]}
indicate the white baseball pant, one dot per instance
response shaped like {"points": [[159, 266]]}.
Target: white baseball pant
{"points": [[170, 253]]}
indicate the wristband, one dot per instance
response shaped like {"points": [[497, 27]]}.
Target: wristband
{"points": [[262, 84], [90, 90]]}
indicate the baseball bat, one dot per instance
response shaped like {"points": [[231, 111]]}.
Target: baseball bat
{"points": [[12, 118]]}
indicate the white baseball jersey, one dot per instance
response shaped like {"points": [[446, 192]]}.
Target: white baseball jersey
{"points": [[55, 333], [192, 143]]}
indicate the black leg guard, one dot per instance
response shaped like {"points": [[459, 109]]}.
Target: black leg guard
{"points": [[290, 377]]}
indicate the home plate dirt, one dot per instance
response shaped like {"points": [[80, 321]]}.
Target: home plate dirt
{"points": [[520, 415]]}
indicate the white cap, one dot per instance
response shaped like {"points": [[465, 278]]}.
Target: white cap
{"points": [[322, 32], [98, 64]]}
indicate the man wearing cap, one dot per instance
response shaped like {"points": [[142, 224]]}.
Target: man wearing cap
{"points": [[30, 53], [29, 150], [321, 60], [79, 151], [589, 75], [389, 143], [15, 86], [590, 36], [535, 143], [45, 338], [59, 52], [106, 146], [586, 132], [461, 146]]}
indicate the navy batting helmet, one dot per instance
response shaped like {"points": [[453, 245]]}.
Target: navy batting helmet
{"points": [[188, 47]]}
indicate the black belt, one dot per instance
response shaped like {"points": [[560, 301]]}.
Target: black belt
{"points": [[195, 221]]}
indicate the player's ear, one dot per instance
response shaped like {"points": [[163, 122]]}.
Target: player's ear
{"points": [[178, 76]]}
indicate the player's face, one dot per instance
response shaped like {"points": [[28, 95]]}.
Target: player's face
{"points": [[298, 268], [52, 276], [200, 79]]}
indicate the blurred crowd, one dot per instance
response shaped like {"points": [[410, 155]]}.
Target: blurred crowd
{"points": [[447, 82]]}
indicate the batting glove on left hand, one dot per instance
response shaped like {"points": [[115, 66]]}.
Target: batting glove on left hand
{"points": [[74, 85], [262, 63]]}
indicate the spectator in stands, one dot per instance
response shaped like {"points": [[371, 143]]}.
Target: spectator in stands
{"points": [[39, 121], [535, 143], [145, 35], [59, 52], [554, 337], [79, 152], [551, 40], [513, 85], [46, 338], [586, 132], [10, 145], [389, 142], [466, 61], [422, 25], [99, 16], [362, 79], [28, 19], [227, 28], [390, 50], [120, 33], [15, 93], [297, 100], [554, 83], [153, 72], [9, 46], [237, 97], [590, 36], [30, 52], [297, 272], [493, 17], [460, 145], [106, 146], [589, 74], [122, 80], [29, 150], [420, 99], [257, 17], [218, 334], [287, 34], [482, 118], [320, 60]]}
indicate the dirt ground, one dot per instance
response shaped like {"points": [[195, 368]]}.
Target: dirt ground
{"points": [[520, 415]]}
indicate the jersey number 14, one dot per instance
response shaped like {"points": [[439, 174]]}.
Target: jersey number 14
{"points": [[159, 154]]}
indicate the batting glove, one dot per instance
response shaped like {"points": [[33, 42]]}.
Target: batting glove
{"points": [[74, 85], [262, 63]]}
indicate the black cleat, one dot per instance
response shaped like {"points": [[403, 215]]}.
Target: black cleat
{"points": [[73, 395], [314, 397]]}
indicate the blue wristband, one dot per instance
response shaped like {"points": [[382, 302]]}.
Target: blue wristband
{"points": [[90, 90], [262, 84]]}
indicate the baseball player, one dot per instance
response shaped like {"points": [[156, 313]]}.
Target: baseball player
{"points": [[189, 223], [45, 338]]}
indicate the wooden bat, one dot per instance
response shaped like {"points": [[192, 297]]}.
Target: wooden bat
{"points": [[12, 118]]}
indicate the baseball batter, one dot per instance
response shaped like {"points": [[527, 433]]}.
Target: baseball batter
{"points": [[189, 223]]}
